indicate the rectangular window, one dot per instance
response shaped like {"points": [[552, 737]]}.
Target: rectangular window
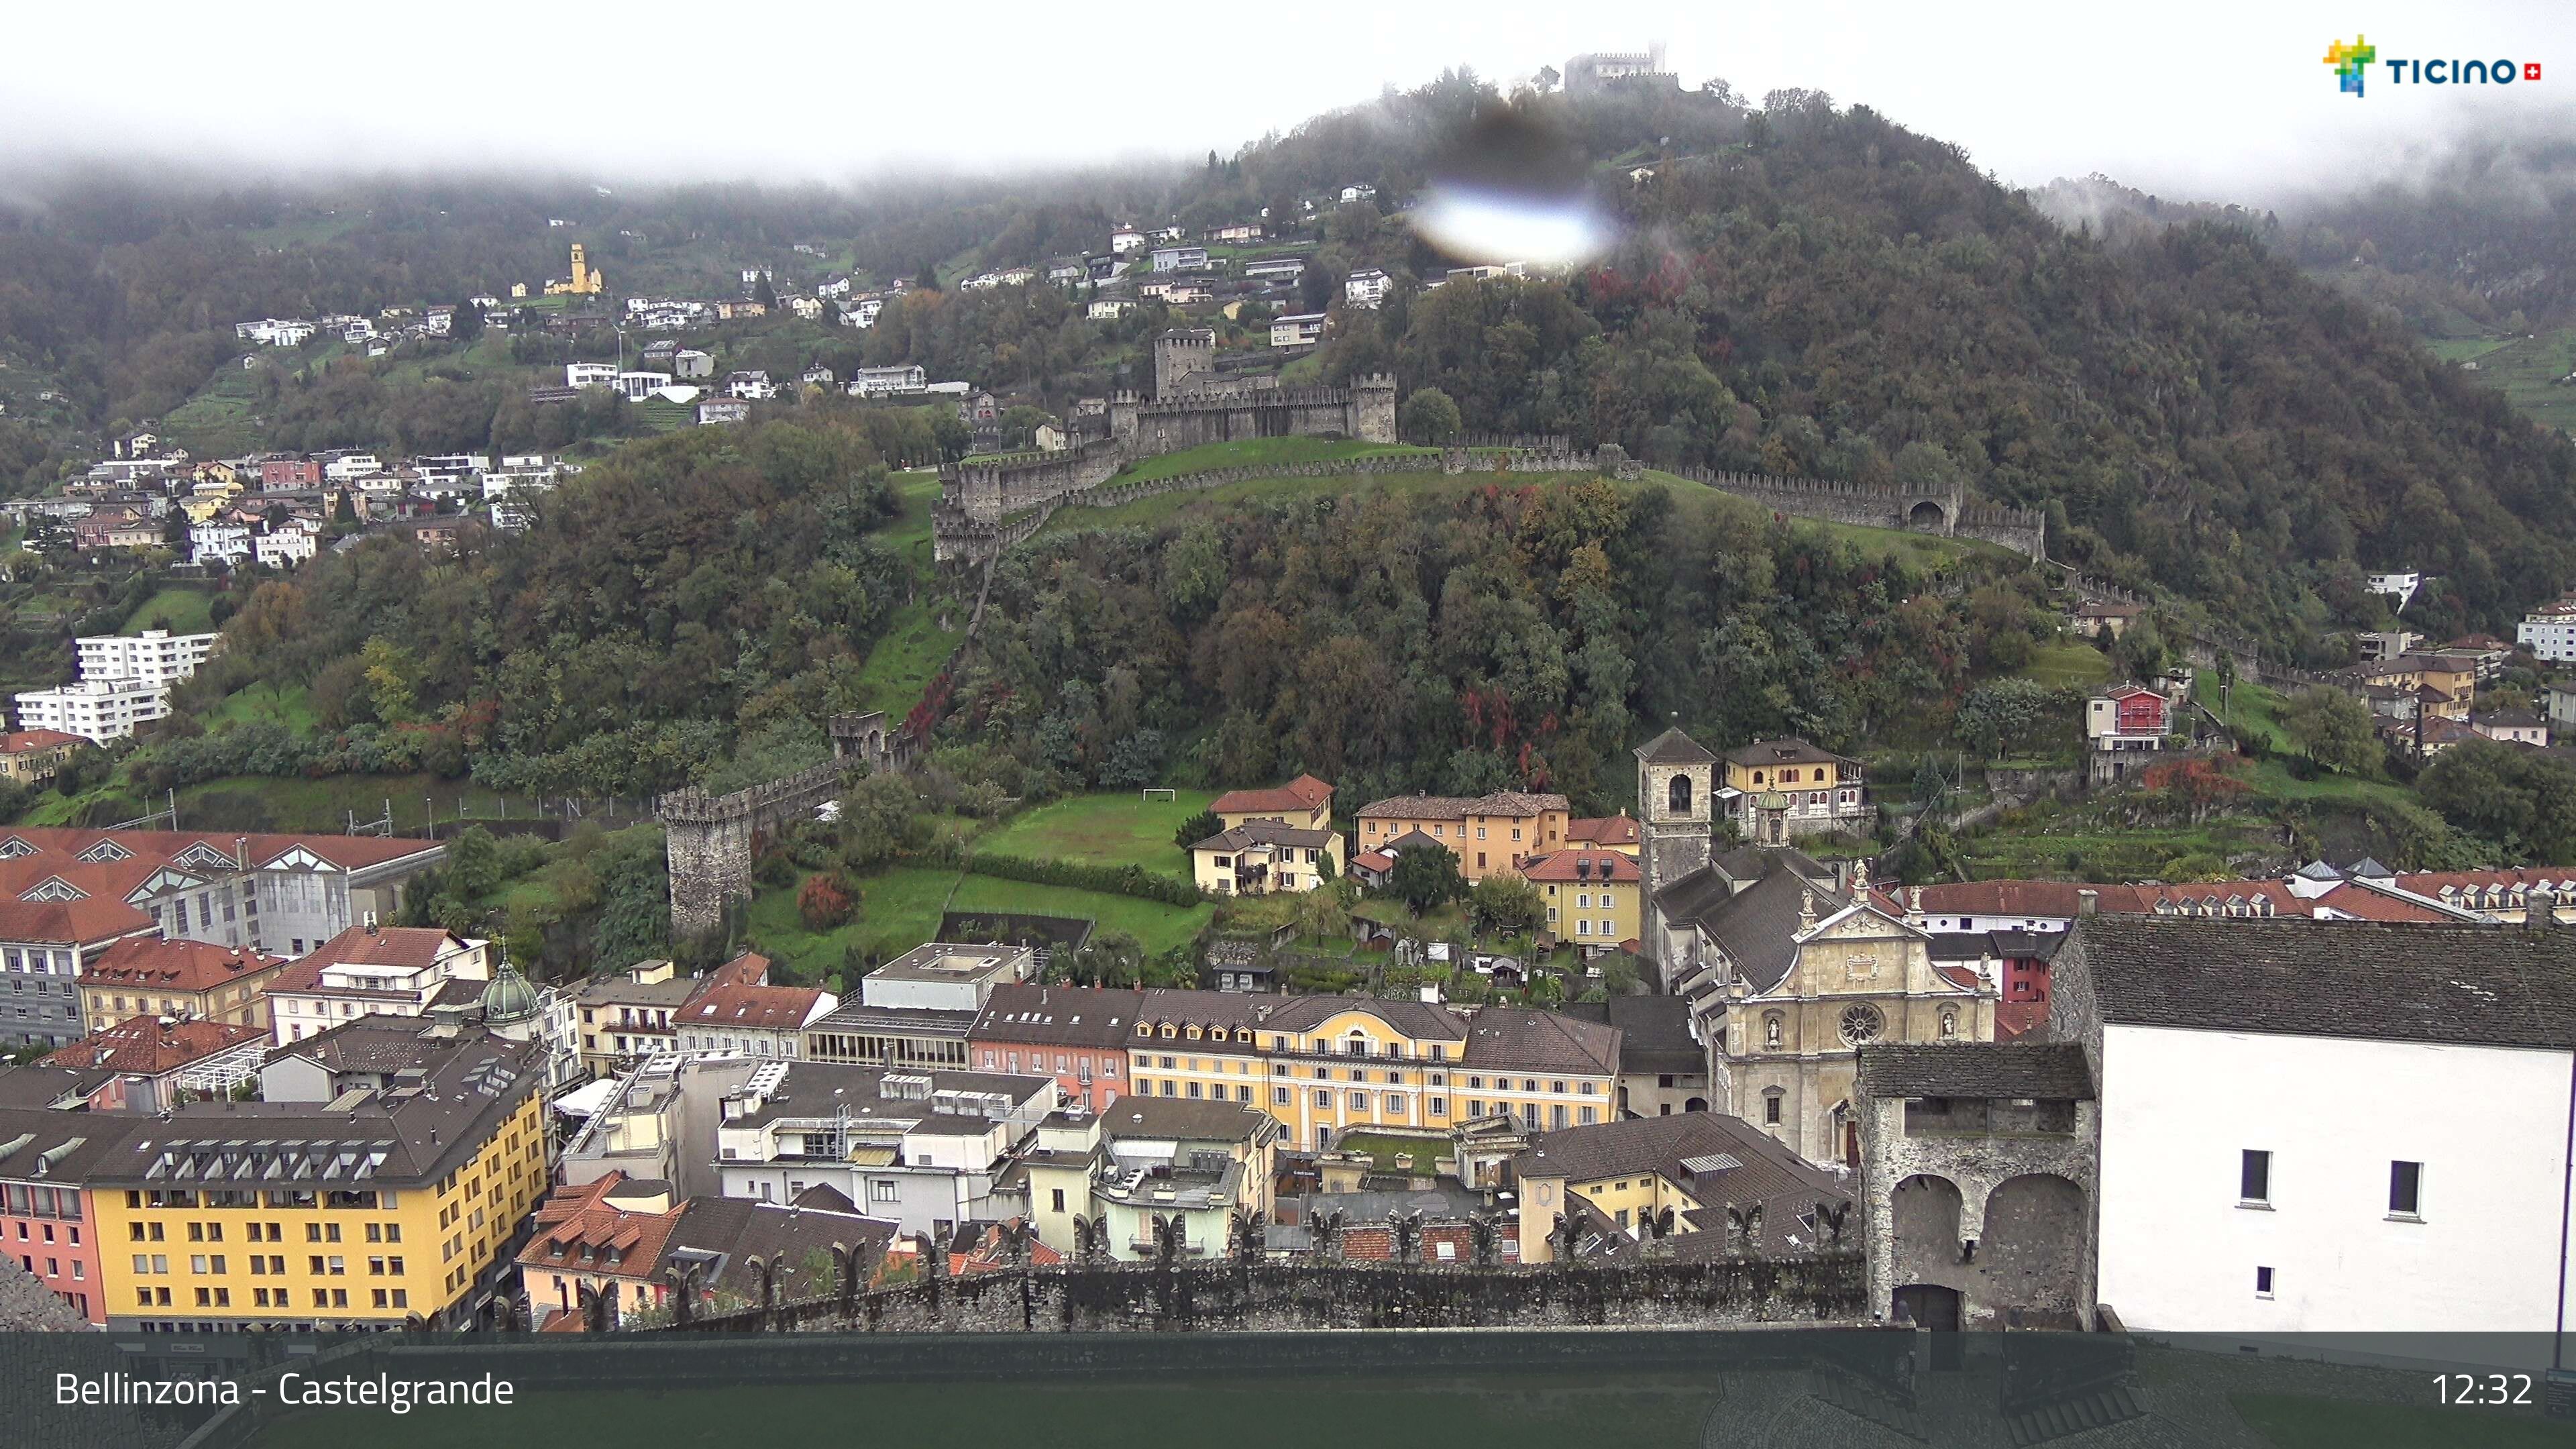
{"points": [[1323, 1096], [2262, 1282], [2254, 1179], [2405, 1189], [1771, 1110]]}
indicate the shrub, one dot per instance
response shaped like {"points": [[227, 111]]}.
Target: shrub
{"points": [[826, 900], [1123, 880]]}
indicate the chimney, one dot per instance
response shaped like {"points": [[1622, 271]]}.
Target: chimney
{"points": [[2088, 903]]}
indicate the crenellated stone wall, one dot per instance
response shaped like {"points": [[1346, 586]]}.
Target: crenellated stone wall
{"points": [[1946, 512], [707, 840]]}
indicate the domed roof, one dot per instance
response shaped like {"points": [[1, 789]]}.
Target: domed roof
{"points": [[509, 998]]}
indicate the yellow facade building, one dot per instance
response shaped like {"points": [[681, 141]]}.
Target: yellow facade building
{"points": [[1591, 896], [583, 283], [1261, 857], [1489, 834], [363, 1211], [1663, 1177], [1304, 802], [1326, 1065]]}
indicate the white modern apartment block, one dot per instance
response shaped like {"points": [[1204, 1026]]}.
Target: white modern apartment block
{"points": [[1367, 289], [590, 374], [1300, 329], [286, 545], [352, 465], [637, 386], [215, 542], [2549, 631], [155, 655], [2399, 586], [97, 710], [888, 381], [2300, 1123]]}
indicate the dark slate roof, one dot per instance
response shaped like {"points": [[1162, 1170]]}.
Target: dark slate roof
{"points": [[1764, 753], [1056, 1016], [1755, 925], [2479, 985], [1672, 747], [1654, 1032], [1752, 862], [2001, 945], [1185, 1119], [2049, 1071], [1519, 1039]]}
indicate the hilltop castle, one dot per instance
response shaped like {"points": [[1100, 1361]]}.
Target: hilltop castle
{"points": [[1193, 404]]}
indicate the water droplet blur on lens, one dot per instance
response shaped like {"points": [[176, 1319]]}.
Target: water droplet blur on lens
{"points": [[1510, 189]]}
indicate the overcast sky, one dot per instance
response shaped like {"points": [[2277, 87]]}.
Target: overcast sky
{"points": [[2189, 99]]}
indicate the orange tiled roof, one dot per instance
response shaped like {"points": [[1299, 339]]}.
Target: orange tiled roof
{"points": [[1594, 865], [175, 965], [151, 1047], [771, 1007], [1301, 794]]}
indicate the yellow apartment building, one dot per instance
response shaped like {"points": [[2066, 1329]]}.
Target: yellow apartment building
{"points": [[1592, 896], [1265, 857], [362, 1212], [1489, 833], [1621, 1178]]}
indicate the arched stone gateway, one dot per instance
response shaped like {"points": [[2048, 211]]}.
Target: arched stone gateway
{"points": [[1928, 516], [2034, 1236]]}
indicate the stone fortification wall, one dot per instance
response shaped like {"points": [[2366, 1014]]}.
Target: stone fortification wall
{"points": [[1943, 511], [707, 840]]}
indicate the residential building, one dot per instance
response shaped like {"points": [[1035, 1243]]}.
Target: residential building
{"points": [[381, 970], [1236, 232], [1777, 791], [185, 980], [888, 381], [723, 411], [2549, 631], [287, 544], [2094, 618], [629, 1016], [1104, 309], [155, 655], [920, 1149], [1489, 833], [2285, 1098], [97, 710], [48, 1220], [1298, 329], [32, 756], [1189, 1166], [1124, 240], [162, 1060], [737, 1010], [1366, 289], [917, 1010], [1591, 897], [1263, 856], [2380, 645], [1180, 259], [1305, 802], [2512, 726], [590, 374], [2124, 727], [1673, 1178], [2398, 586], [1606, 832], [637, 386], [363, 1212], [219, 541], [1078, 1036], [1663, 1063], [619, 1237]]}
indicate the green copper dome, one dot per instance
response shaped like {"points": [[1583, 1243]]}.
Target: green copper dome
{"points": [[509, 998]]}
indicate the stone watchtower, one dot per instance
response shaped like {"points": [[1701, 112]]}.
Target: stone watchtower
{"points": [[1676, 778], [1177, 354], [1372, 408]]}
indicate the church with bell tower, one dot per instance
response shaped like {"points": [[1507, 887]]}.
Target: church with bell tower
{"points": [[1676, 777]]}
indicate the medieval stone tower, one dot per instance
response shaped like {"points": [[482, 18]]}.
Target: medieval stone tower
{"points": [[1675, 778], [1177, 354]]}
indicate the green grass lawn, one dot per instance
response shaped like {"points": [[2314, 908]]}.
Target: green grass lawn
{"points": [[1467, 1412], [2526, 370], [218, 421], [902, 664], [270, 802], [2293, 1421], [181, 611], [1384, 1146], [2069, 664], [265, 703], [2254, 708], [900, 909], [1110, 828], [2463, 349]]}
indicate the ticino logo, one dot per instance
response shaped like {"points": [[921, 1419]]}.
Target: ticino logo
{"points": [[2352, 61]]}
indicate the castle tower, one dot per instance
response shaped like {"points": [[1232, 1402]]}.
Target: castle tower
{"points": [[1675, 782], [1177, 354]]}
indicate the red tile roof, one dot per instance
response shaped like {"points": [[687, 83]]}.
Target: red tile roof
{"points": [[23, 741], [410, 947], [748, 969], [1300, 795], [1619, 829], [1578, 866], [349, 852], [175, 965], [775, 1008], [149, 1046]]}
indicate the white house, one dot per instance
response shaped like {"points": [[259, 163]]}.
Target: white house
{"points": [[887, 381], [2549, 631], [753, 386], [215, 541], [1367, 289], [351, 465], [1109, 308], [637, 386], [2399, 586], [1124, 240], [2322, 1126], [1297, 330], [919, 1148], [723, 410], [286, 545], [590, 374], [97, 710], [155, 655], [1180, 259]]}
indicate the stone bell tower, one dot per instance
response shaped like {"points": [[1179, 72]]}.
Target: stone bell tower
{"points": [[1675, 780]]}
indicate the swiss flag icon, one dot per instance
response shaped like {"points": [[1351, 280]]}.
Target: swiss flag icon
{"points": [[2531, 70]]}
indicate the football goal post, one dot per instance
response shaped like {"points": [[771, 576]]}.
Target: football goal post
{"points": [[1159, 792]]}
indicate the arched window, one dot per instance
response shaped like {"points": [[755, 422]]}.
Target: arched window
{"points": [[1677, 794]]}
